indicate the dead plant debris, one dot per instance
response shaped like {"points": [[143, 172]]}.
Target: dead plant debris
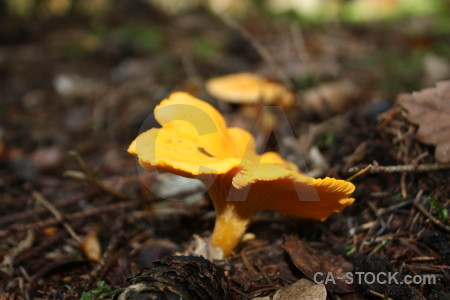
{"points": [[78, 217], [430, 109]]}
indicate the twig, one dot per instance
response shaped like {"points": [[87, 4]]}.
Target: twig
{"points": [[50, 268], [246, 262], [38, 250], [304, 57], [92, 180], [6, 266], [403, 186], [413, 214], [74, 216], [262, 51], [379, 217], [237, 291], [423, 258], [433, 268], [432, 218], [383, 211], [360, 172], [263, 272], [414, 220], [39, 210], [380, 295], [39, 198], [299, 45], [363, 227], [189, 66], [108, 258], [265, 289], [405, 168]]}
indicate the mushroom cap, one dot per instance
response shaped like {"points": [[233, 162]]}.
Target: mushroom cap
{"points": [[248, 88], [194, 141]]}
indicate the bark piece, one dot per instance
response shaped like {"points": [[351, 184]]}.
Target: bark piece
{"points": [[178, 277]]}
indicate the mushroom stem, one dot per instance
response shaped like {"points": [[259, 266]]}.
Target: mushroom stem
{"points": [[228, 230]]}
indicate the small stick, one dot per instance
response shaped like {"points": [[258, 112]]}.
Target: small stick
{"points": [[39, 198], [432, 218], [265, 289], [405, 168], [246, 262], [383, 211], [262, 51], [364, 226], [423, 258], [39, 210], [74, 216], [380, 295], [413, 214], [6, 265], [92, 180], [379, 217], [434, 268], [403, 186], [40, 248], [108, 259], [299, 45], [263, 272], [360, 172], [48, 268], [303, 57], [237, 291]]}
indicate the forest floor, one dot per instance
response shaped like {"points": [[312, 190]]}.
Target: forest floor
{"points": [[75, 91]]}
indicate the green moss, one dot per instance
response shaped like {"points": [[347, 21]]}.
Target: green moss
{"points": [[441, 212], [102, 291], [150, 38], [204, 48]]}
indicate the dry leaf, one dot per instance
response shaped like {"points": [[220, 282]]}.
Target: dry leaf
{"points": [[50, 231], [91, 246], [307, 260], [302, 289], [430, 109]]}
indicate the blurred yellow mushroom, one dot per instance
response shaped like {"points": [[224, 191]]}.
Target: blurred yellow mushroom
{"points": [[195, 142], [252, 92], [248, 88]]}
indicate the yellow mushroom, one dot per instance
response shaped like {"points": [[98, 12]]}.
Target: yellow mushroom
{"points": [[195, 142], [248, 88]]}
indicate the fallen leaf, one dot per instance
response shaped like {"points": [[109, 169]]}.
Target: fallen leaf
{"points": [[91, 246], [430, 109], [50, 231], [307, 260], [302, 289]]}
